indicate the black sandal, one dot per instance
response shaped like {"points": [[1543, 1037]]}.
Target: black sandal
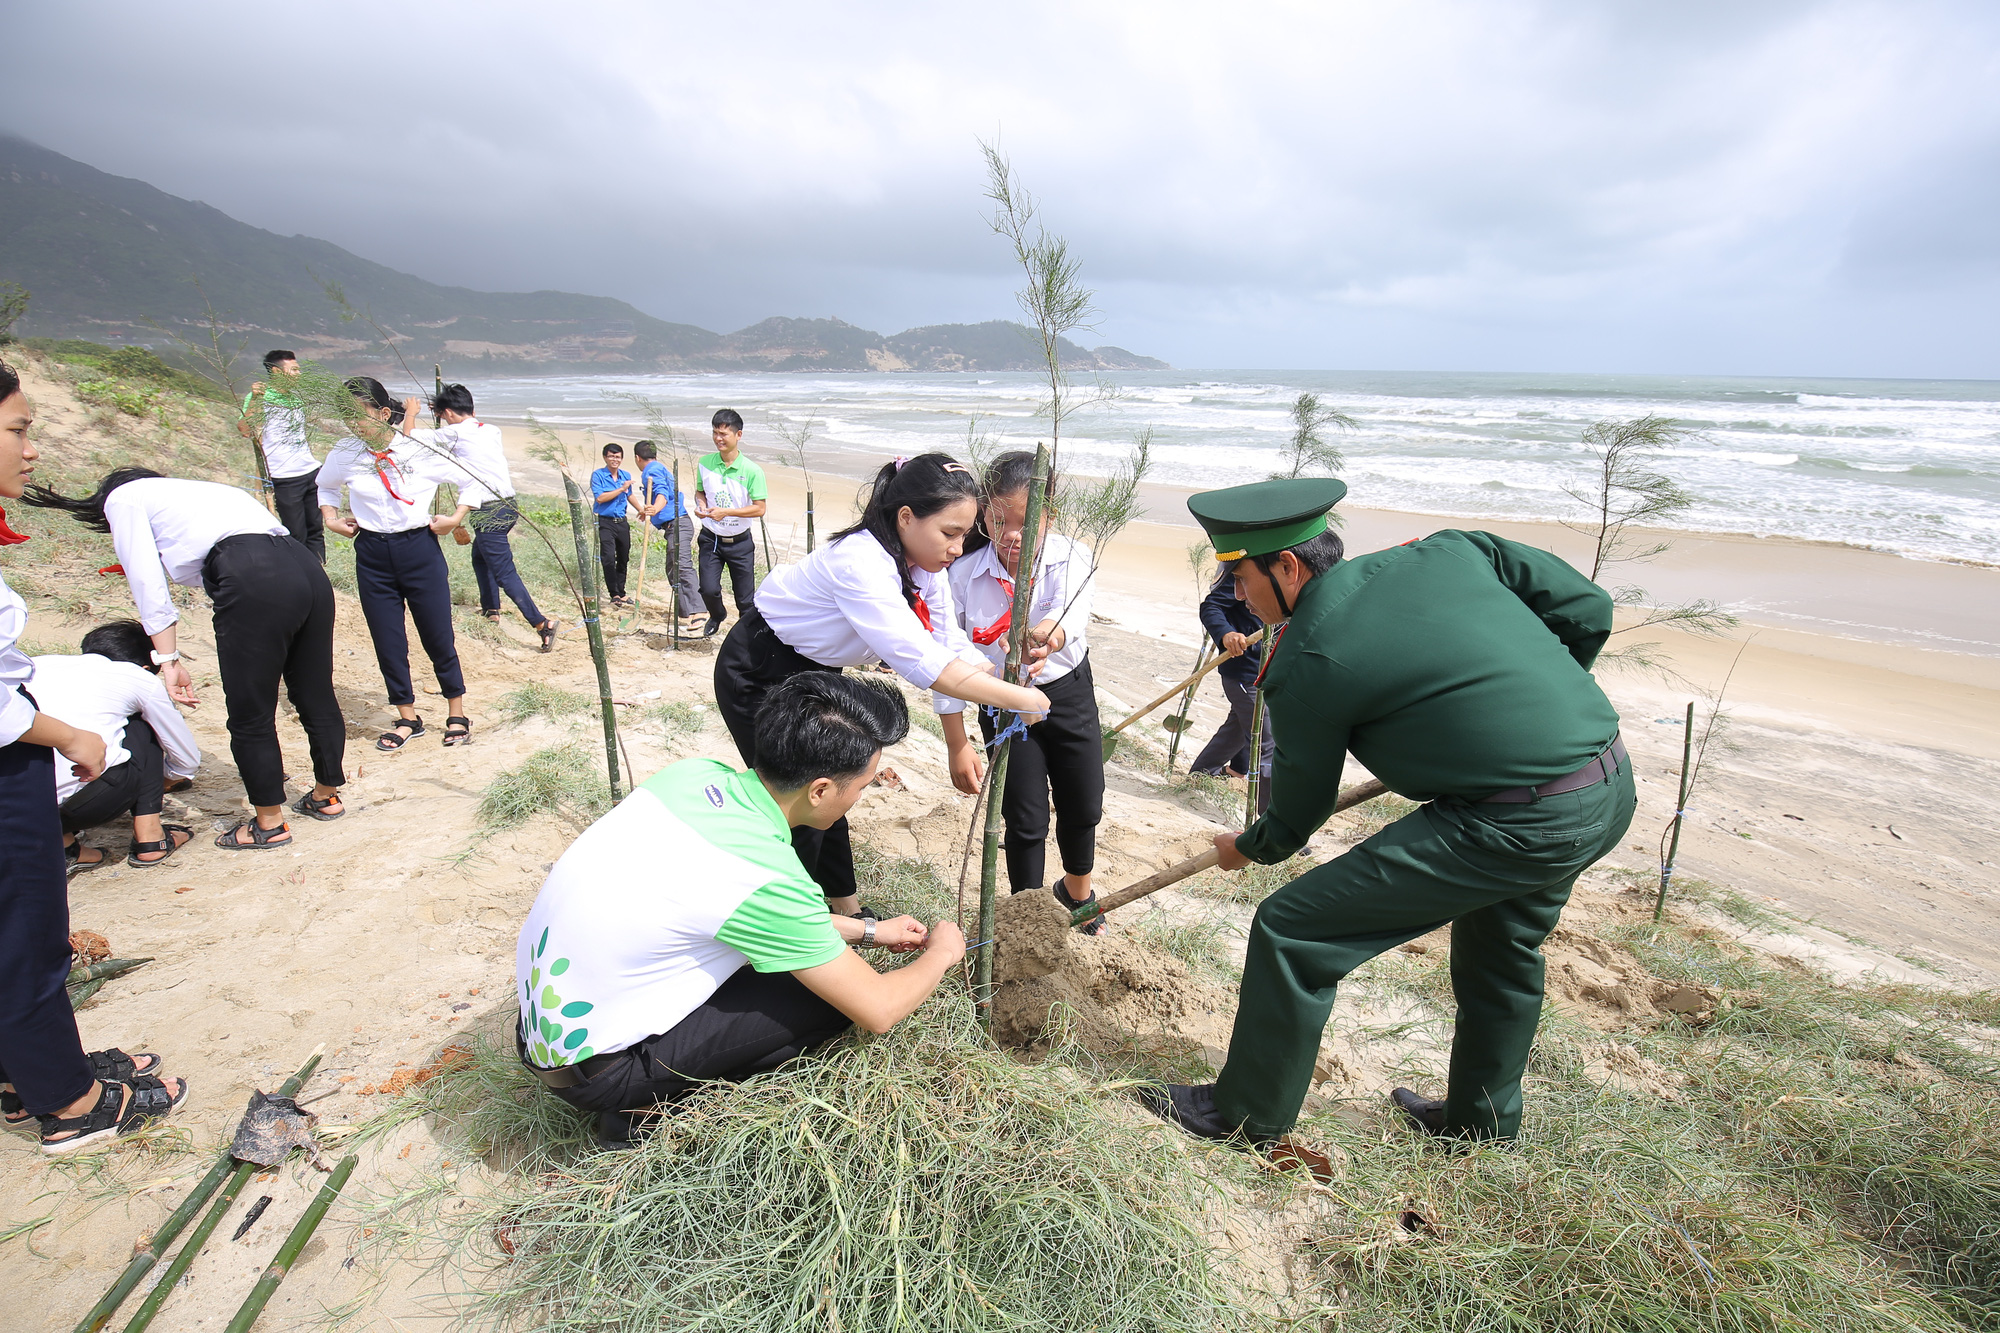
{"points": [[113, 1065], [394, 739], [166, 844], [115, 1114], [316, 809], [490, 615], [547, 629], [74, 864], [261, 838], [1094, 926], [456, 734]]}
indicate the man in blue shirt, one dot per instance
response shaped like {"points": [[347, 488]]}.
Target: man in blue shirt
{"points": [[1230, 622], [659, 498], [611, 492]]}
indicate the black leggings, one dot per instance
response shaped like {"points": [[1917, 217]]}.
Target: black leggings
{"points": [[135, 787], [40, 1052], [392, 569], [753, 660], [274, 622], [1061, 759], [298, 509]]}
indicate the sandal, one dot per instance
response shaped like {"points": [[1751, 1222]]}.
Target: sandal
{"points": [[169, 844], [489, 615], [121, 1108], [394, 739], [75, 865], [1094, 926], [113, 1065], [306, 805], [261, 838], [457, 730], [547, 629]]}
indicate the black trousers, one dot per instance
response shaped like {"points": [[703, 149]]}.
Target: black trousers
{"points": [[753, 660], [1061, 760], [614, 551], [274, 622], [136, 787], [397, 569], [40, 1052], [493, 559], [298, 509], [753, 1023], [1231, 743], [740, 554]]}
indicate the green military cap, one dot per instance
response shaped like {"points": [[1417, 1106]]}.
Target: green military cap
{"points": [[1265, 516]]}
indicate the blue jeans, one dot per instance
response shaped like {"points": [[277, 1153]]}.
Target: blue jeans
{"points": [[493, 559]]}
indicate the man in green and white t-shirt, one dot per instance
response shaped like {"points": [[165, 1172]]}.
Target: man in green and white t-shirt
{"points": [[728, 493], [277, 421], [639, 978]]}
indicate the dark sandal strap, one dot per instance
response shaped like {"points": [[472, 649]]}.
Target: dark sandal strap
{"points": [[260, 837], [457, 730], [116, 1065], [395, 737], [308, 804], [166, 844], [150, 1098]]}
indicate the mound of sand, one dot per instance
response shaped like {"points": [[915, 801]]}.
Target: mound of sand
{"points": [[1604, 985]]}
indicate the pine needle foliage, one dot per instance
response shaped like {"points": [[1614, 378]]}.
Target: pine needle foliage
{"points": [[1309, 451]]}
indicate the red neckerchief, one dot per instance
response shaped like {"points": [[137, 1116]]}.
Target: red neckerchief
{"points": [[382, 456], [112, 569], [923, 610], [1270, 651], [991, 634], [9, 537]]}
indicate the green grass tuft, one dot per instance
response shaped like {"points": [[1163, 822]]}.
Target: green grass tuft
{"points": [[539, 699], [566, 779]]}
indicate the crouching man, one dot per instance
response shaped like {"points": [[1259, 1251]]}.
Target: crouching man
{"points": [[680, 940]]}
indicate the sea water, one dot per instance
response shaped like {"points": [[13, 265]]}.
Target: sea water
{"points": [[1911, 466]]}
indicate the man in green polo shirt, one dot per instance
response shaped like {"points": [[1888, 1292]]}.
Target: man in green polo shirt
{"points": [[640, 979], [728, 494], [1457, 669]]}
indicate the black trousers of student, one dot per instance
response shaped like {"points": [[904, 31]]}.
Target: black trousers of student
{"points": [[752, 661], [1061, 760], [740, 554], [614, 551], [1231, 743], [298, 509], [493, 559], [40, 1052], [393, 570], [753, 1023], [274, 622], [138, 786]]}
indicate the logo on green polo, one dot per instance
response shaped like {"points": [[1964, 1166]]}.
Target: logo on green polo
{"points": [[550, 1044]]}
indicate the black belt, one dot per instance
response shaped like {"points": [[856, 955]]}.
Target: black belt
{"points": [[741, 536], [569, 1076], [1600, 769]]}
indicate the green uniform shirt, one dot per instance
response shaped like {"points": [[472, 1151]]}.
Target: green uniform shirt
{"points": [[728, 486], [1453, 666]]}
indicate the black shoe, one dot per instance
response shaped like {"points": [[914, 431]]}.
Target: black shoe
{"points": [[1426, 1114], [619, 1130], [1094, 926], [1191, 1106]]}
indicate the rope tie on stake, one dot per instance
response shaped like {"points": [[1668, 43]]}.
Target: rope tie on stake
{"points": [[1017, 729]]}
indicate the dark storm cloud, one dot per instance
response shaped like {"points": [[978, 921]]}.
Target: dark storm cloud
{"points": [[1567, 185]]}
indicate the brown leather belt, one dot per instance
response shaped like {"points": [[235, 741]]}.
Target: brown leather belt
{"points": [[1601, 769]]}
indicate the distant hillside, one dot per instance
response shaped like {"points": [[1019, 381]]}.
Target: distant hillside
{"points": [[103, 254]]}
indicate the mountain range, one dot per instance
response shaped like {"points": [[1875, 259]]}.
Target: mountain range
{"points": [[113, 260]]}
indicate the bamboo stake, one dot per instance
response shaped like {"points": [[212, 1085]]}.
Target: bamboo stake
{"points": [[1256, 774], [267, 1285], [586, 569], [1110, 737], [809, 513], [674, 550], [764, 529], [149, 1254], [105, 970], [1194, 865], [83, 993], [1680, 813], [1187, 702]]}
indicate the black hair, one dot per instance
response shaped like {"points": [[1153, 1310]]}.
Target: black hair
{"points": [[452, 398], [89, 509], [10, 381], [925, 484], [1012, 473], [613, 448], [277, 356], [1317, 554], [121, 641], [729, 417], [370, 391], [644, 449], [821, 724]]}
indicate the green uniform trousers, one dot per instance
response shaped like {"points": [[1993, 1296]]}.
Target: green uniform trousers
{"points": [[1499, 874]]}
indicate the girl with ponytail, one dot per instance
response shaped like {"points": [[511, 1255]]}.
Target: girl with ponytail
{"points": [[876, 592]]}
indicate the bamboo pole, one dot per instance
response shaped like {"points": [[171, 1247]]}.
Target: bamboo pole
{"points": [[1194, 865], [674, 551], [149, 1254], [1256, 773], [809, 513], [288, 1254], [1680, 814], [1187, 703], [586, 569], [1017, 639], [765, 530], [105, 970]]}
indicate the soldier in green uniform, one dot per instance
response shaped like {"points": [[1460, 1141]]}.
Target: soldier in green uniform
{"points": [[1457, 669]]}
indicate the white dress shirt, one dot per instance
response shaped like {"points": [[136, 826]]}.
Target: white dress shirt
{"points": [[413, 468], [164, 528], [980, 589], [98, 694], [479, 448], [16, 713], [843, 606], [286, 451]]}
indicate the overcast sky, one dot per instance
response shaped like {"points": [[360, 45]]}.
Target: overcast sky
{"points": [[1756, 186]]}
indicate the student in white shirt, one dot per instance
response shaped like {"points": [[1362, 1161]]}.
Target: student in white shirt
{"points": [[277, 422], [390, 480], [1061, 758], [273, 623], [112, 688], [875, 592], [80, 1097]]}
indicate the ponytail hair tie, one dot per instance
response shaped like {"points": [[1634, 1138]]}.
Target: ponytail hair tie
{"points": [[900, 462]]}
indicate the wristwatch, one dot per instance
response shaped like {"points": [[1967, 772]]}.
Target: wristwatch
{"points": [[161, 659], [868, 932]]}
